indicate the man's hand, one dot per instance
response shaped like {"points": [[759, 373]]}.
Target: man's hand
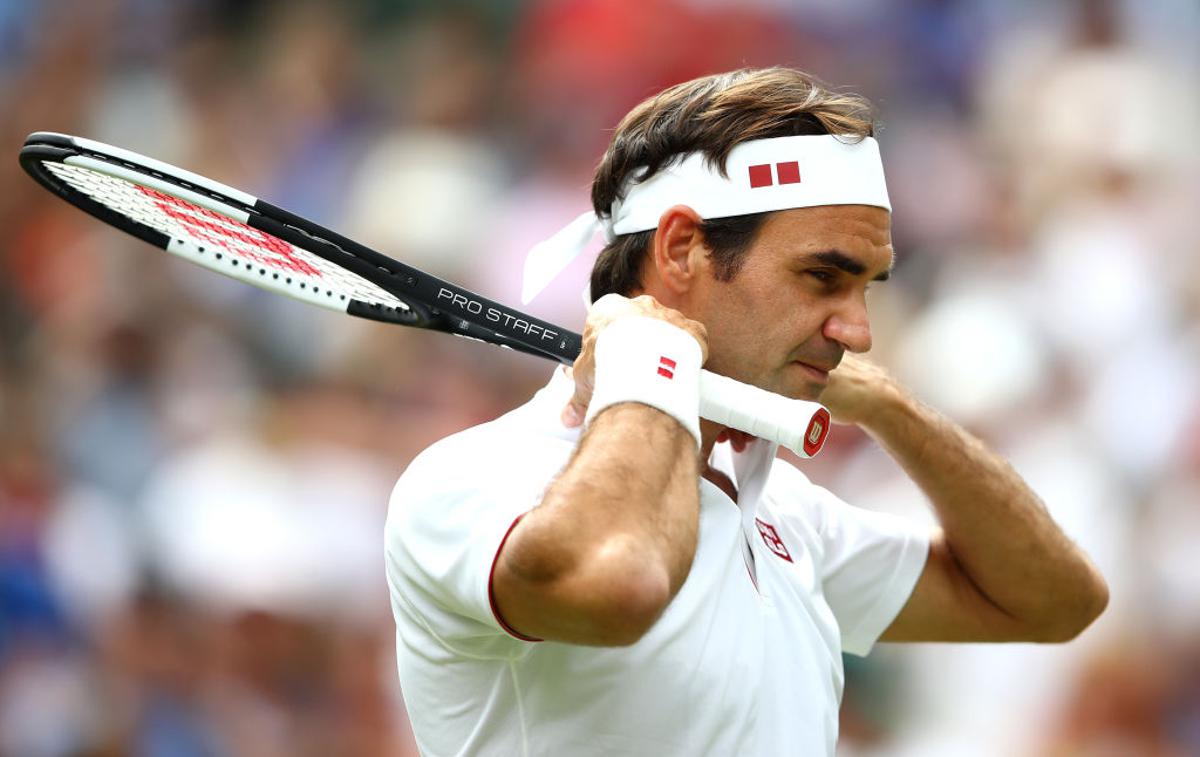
{"points": [[604, 311], [857, 389]]}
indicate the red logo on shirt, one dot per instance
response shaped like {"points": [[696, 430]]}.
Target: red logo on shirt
{"points": [[772, 540], [666, 367]]}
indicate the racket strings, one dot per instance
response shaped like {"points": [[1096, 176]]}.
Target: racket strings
{"points": [[222, 243]]}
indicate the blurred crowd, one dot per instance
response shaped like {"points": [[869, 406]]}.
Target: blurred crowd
{"points": [[194, 473]]}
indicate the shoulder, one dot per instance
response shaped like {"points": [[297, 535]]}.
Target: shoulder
{"points": [[848, 538], [790, 492], [503, 461], [466, 454], [504, 450]]}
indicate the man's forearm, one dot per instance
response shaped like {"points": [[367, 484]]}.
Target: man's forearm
{"points": [[996, 526], [630, 492]]}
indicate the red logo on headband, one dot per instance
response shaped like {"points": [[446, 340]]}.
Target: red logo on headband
{"points": [[761, 174]]}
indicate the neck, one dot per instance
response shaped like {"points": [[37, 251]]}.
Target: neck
{"points": [[708, 437]]}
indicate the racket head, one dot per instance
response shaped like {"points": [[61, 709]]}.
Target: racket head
{"points": [[239, 235], [206, 223]]}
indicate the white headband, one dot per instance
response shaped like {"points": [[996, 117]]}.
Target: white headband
{"points": [[763, 175]]}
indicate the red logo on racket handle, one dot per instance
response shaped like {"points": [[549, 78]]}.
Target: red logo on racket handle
{"points": [[666, 367], [814, 435]]}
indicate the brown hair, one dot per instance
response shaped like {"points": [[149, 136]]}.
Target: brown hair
{"points": [[712, 115]]}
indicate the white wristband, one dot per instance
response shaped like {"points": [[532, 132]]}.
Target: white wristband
{"points": [[647, 360]]}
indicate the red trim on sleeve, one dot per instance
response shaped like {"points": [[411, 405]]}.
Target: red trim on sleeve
{"points": [[492, 590]]}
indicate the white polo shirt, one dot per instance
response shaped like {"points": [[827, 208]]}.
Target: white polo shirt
{"points": [[746, 660]]}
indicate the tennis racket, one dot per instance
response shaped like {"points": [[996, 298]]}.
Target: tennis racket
{"points": [[234, 233]]}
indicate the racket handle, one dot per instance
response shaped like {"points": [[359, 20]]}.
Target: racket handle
{"points": [[799, 425]]}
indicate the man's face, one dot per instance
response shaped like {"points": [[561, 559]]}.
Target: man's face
{"points": [[799, 300]]}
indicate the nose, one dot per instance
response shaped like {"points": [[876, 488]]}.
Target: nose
{"points": [[849, 326]]}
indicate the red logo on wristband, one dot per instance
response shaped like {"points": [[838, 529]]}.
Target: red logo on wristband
{"points": [[666, 367]]}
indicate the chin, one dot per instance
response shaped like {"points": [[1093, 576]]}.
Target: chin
{"points": [[797, 390], [801, 382], [811, 392]]}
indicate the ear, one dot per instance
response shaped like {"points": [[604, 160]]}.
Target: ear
{"points": [[679, 252]]}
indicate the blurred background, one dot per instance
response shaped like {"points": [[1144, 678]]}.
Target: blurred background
{"points": [[194, 473]]}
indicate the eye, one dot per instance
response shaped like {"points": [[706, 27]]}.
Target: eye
{"points": [[822, 275]]}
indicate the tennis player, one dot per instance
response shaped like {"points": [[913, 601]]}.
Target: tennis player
{"points": [[601, 572]]}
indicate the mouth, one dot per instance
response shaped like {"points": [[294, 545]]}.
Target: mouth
{"points": [[817, 374]]}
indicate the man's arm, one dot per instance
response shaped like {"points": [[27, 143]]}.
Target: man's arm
{"points": [[613, 538], [999, 568]]}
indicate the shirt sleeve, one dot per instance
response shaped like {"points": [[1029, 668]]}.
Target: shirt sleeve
{"points": [[868, 562], [446, 525]]}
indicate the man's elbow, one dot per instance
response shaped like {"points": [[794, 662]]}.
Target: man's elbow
{"points": [[626, 587], [608, 596], [1077, 613], [630, 608]]}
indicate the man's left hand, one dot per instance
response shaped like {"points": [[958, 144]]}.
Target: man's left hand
{"points": [[857, 389]]}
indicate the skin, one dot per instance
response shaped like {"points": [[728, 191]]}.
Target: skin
{"points": [[614, 537]]}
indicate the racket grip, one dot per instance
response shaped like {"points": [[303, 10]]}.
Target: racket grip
{"points": [[799, 425]]}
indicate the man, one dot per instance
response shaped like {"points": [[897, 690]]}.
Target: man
{"points": [[601, 572]]}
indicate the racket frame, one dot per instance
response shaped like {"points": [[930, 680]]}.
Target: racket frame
{"points": [[433, 303]]}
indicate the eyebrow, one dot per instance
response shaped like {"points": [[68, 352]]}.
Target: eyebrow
{"points": [[844, 262]]}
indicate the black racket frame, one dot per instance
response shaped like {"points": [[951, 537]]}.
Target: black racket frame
{"points": [[434, 304]]}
